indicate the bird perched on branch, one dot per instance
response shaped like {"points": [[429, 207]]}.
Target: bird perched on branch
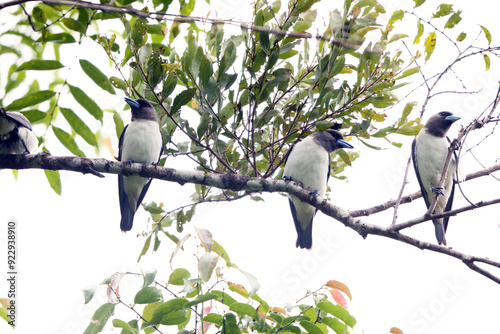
{"points": [[429, 152], [140, 141], [308, 162], [16, 135]]}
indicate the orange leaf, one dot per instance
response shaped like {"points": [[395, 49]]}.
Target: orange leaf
{"points": [[338, 297], [238, 288], [395, 330], [340, 286]]}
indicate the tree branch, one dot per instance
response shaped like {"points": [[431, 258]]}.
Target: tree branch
{"points": [[244, 183]]}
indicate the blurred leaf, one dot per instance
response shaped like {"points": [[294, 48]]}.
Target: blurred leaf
{"points": [[30, 100], [40, 65], [118, 124], [74, 25], [100, 318], [418, 3], [487, 34], [39, 15], [310, 327], [54, 179], [127, 327], [178, 276], [145, 248], [244, 309], [201, 299], [397, 37], [420, 32], [398, 15], [97, 76], [453, 20], [149, 277], [487, 61], [443, 10], [461, 37], [206, 265], [338, 311], [79, 126], [82, 98], [339, 286], [171, 312], [89, 293], [335, 324], [147, 295], [67, 140], [430, 45], [182, 99], [61, 38]]}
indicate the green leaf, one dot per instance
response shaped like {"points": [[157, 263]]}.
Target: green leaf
{"points": [[213, 318], [178, 276], [89, 292], [264, 41], [453, 20], [335, 324], [203, 126], [205, 71], [89, 104], [118, 124], [244, 309], [148, 295], [310, 327], [149, 277], [139, 33], [487, 61], [397, 37], [398, 15], [418, 3], [461, 37], [40, 65], [54, 179], [430, 45], [97, 76], [201, 299], [338, 311], [443, 10], [79, 126], [406, 111], [487, 34], [145, 247], [30, 100], [410, 130], [206, 265], [224, 297], [118, 83], [39, 15], [420, 32], [100, 318], [74, 25], [182, 99], [171, 312], [127, 327], [61, 38], [67, 140], [409, 72], [228, 58]]}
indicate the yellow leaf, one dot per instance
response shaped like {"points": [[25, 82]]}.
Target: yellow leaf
{"points": [[339, 286], [278, 310]]}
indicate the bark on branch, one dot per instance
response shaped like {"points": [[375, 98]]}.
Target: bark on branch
{"points": [[244, 183]]}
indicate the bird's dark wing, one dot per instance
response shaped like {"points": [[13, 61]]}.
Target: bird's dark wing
{"points": [[19, 119], [304, 237], [414, 159], [329, 168], [120, 143]]}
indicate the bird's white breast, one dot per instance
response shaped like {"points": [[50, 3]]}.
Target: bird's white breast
{"points": [[142, 142], [431, 152]]}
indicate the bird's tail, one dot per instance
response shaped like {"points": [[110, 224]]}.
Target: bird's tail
{"points": [[440, 232], [127, 220], [304, 237]]}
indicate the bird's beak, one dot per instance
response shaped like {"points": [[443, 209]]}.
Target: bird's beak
{"points": [[452, 118], [344, 144], [132, 103]]}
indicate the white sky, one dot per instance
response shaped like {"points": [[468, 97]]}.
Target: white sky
{"points": [[69, 242]]}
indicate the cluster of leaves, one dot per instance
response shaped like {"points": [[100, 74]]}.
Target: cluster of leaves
{"points": [[208, 299]]}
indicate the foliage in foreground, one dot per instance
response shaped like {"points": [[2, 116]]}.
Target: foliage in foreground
{"points": [[202, 297]]}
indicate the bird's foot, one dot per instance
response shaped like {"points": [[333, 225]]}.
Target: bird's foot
{"points": [[314, 193], [437, 190], [287, 178]]}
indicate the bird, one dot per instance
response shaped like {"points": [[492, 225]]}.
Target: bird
{"points": [[16, 134], [308, 162], [429, 152], [140, 141]]}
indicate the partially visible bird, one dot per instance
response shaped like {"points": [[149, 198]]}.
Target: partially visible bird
{"points": [[140, 141], [16, 134], [429, 152], [308, 162]]}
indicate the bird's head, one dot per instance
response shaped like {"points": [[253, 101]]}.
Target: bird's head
{"points": [[142, 109], [439, 124], [331, 140]]}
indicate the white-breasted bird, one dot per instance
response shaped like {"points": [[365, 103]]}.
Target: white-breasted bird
{"points": [[16, 135], [429, 152], [308, 162], [140, 141]]}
